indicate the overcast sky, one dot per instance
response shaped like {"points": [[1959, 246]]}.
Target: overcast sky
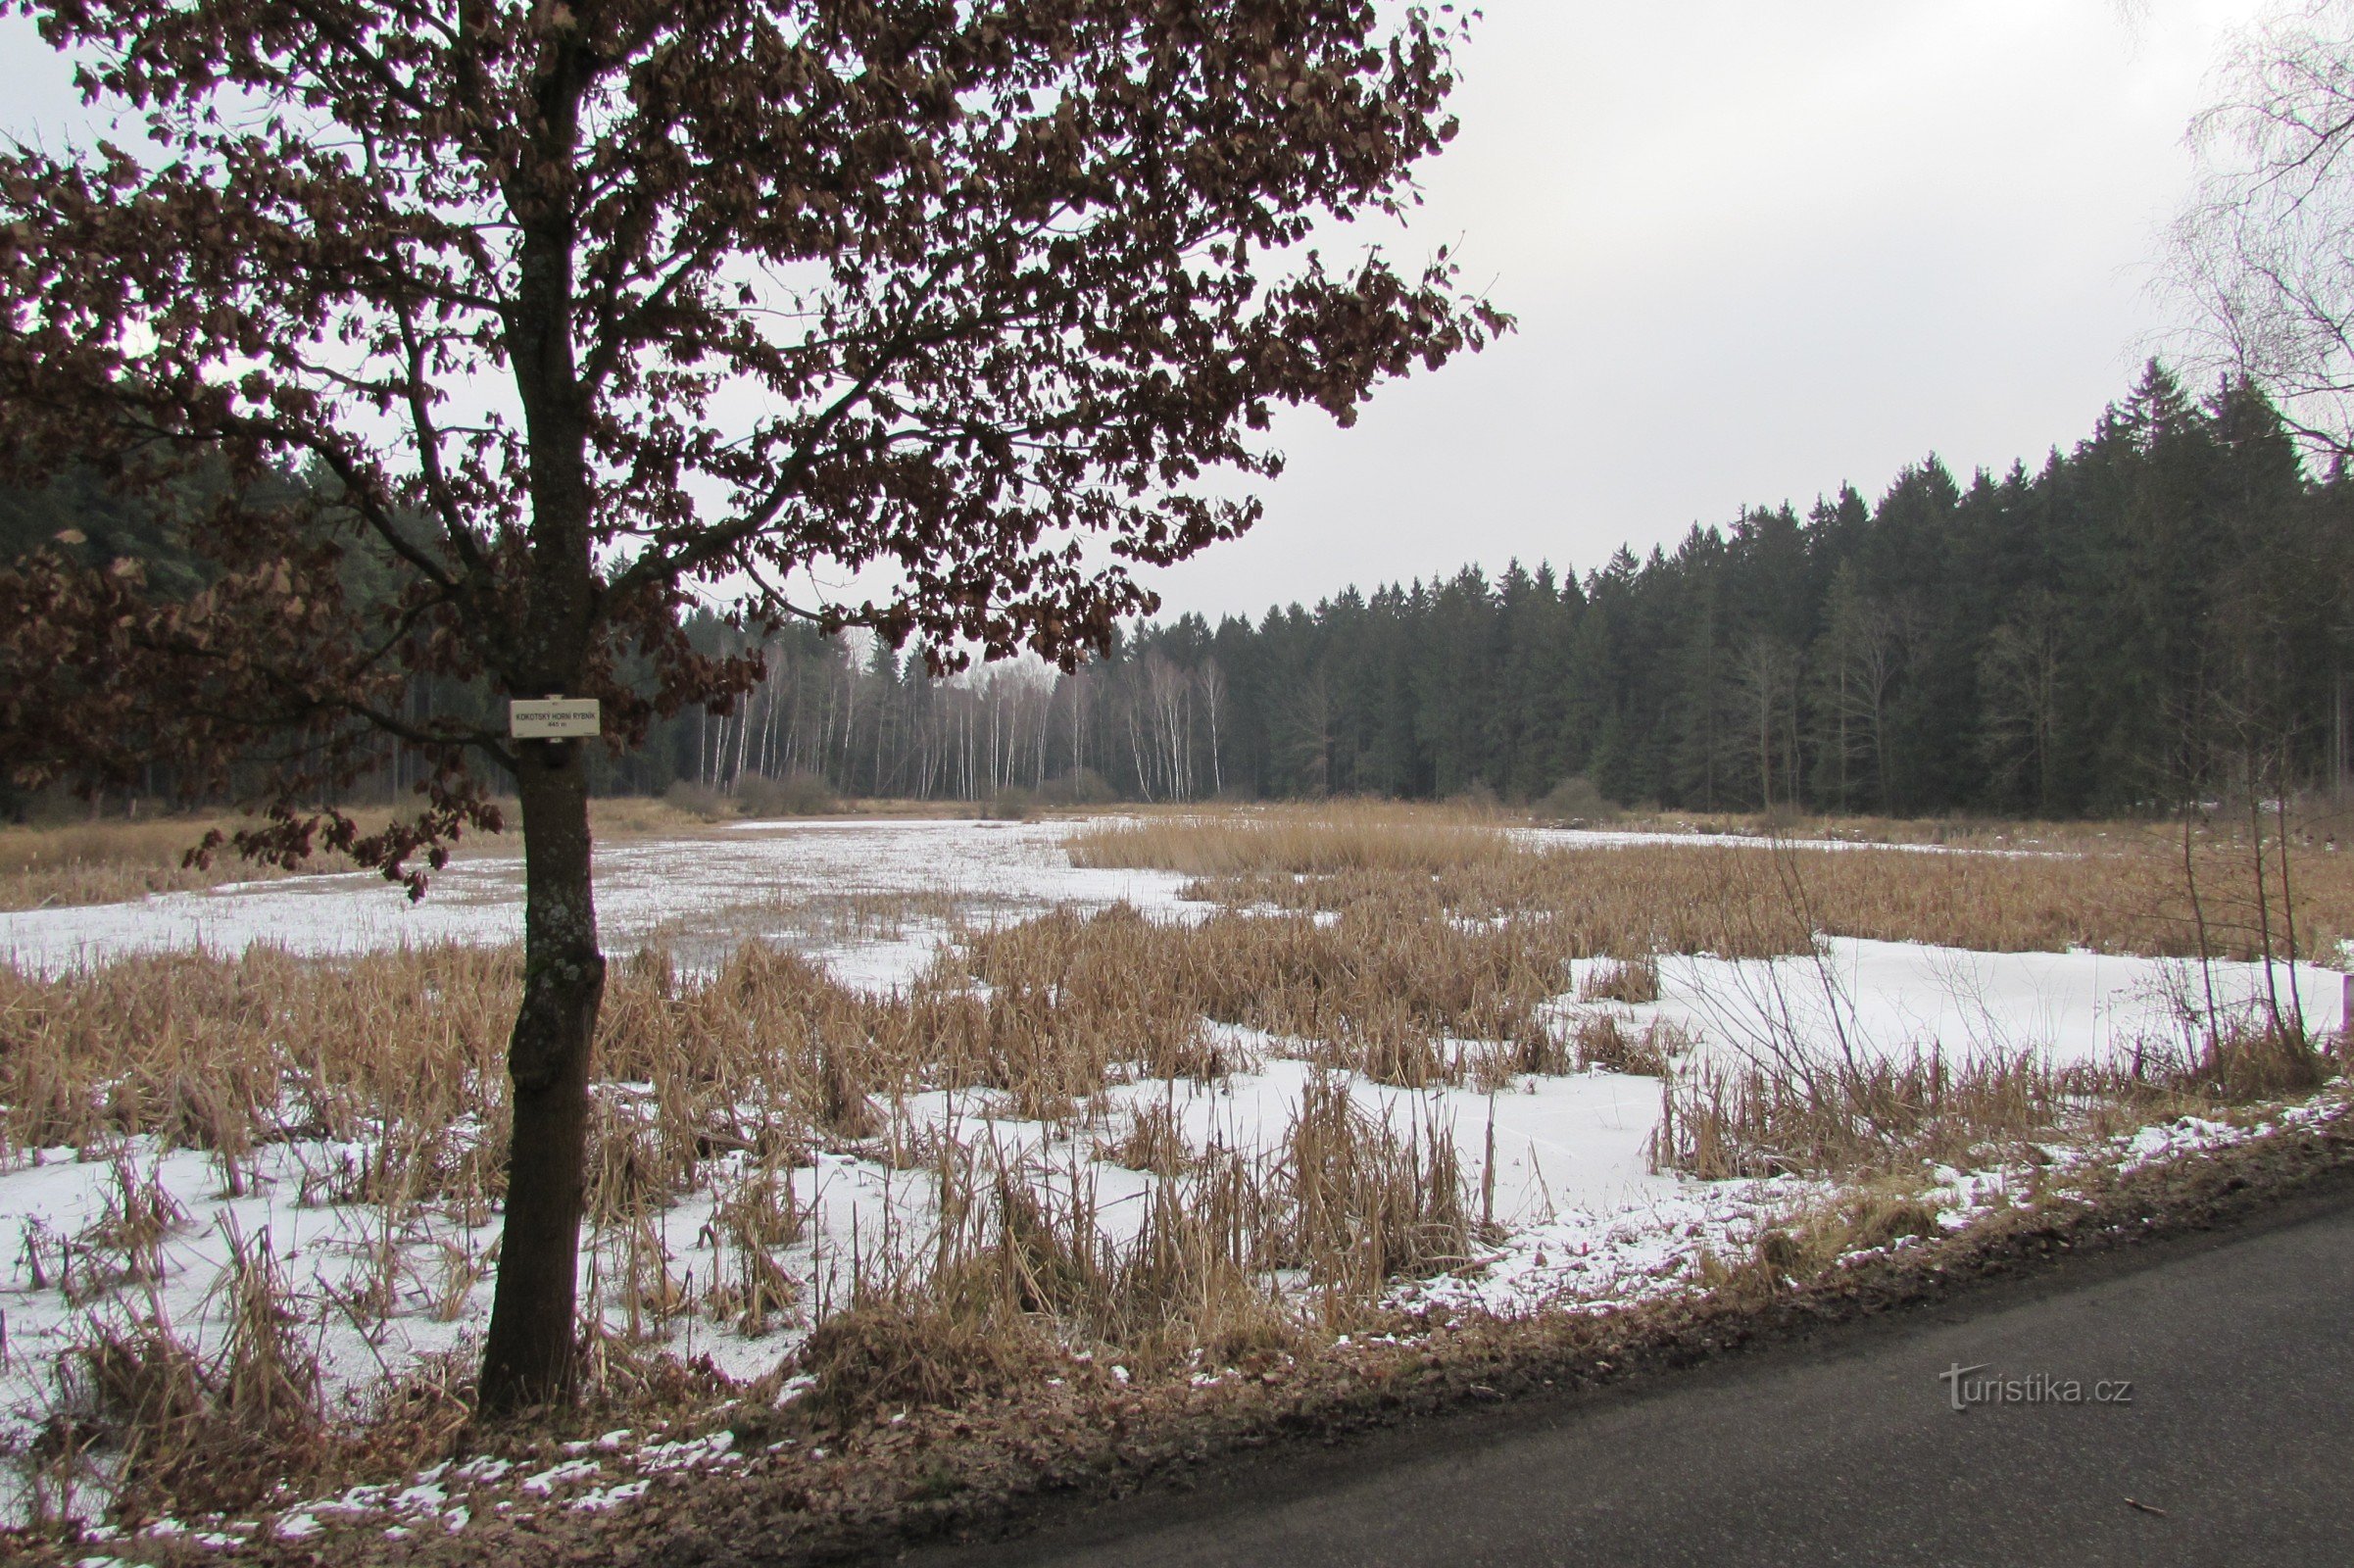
{"points": [[1755, 249]]}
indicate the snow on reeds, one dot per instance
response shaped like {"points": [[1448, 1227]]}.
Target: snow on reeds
{"points": [[1887, 1113], [1345, 1201], [257, 1195], [1636, 900], [355, 1110]]}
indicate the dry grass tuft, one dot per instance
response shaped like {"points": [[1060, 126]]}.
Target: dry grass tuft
{"points": [[1870, 1215], [1850, 1117], [1367, 1204], [1020, 1267], [1604, 1040], [915, 1347], [751, 1223], [171, 1430], [1630, 980], [1847, 1117], [1632, 902], [1306, 841], [1151, 1141]]}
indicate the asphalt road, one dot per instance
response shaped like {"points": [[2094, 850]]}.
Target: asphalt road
{"points": [[2234, 1444]]}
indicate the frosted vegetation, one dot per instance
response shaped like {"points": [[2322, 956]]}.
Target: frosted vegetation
{"points": [[1169, 1092]]}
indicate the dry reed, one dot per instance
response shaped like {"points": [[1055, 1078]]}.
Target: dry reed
{"points": [[112, 861], [184, 1431], [1019, 1262], [116, 859], [1318, 840], [1635, 901], [1416, 949], [1849, 1117]]}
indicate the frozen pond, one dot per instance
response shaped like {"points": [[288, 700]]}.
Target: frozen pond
{"points": [[804, 882]]}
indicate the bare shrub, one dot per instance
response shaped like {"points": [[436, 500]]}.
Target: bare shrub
{"points": [[1012, 804], [1630, 980], [798, 793], [1081, 786], [2255, 1060], [701, 802], [1575, 801]]}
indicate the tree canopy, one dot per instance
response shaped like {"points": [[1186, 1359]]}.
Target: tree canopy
{"points": [[504, 334], [723, 295]]}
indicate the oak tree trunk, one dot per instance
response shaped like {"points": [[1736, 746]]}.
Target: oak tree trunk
{"points": [[529, 1358]]}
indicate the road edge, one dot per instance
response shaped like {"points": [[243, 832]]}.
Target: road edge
{"points": [[998, 1480]]}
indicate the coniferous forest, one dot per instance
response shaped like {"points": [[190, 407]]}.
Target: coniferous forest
{"points": [[2159, 615]]}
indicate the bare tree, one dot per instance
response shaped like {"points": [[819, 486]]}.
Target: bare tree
{"points": [[1168, 695], [1213, 697], [2264, 252]]}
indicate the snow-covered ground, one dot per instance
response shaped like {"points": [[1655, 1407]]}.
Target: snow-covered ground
{"points": [[1590, 1222], [763, 879], [1872, 998], [699, 893]]}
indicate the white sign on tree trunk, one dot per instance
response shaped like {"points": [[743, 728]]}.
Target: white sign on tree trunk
{"points": [[552, 718]]}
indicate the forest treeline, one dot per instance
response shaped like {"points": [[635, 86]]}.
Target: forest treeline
{"points": [[2158, 615]]}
